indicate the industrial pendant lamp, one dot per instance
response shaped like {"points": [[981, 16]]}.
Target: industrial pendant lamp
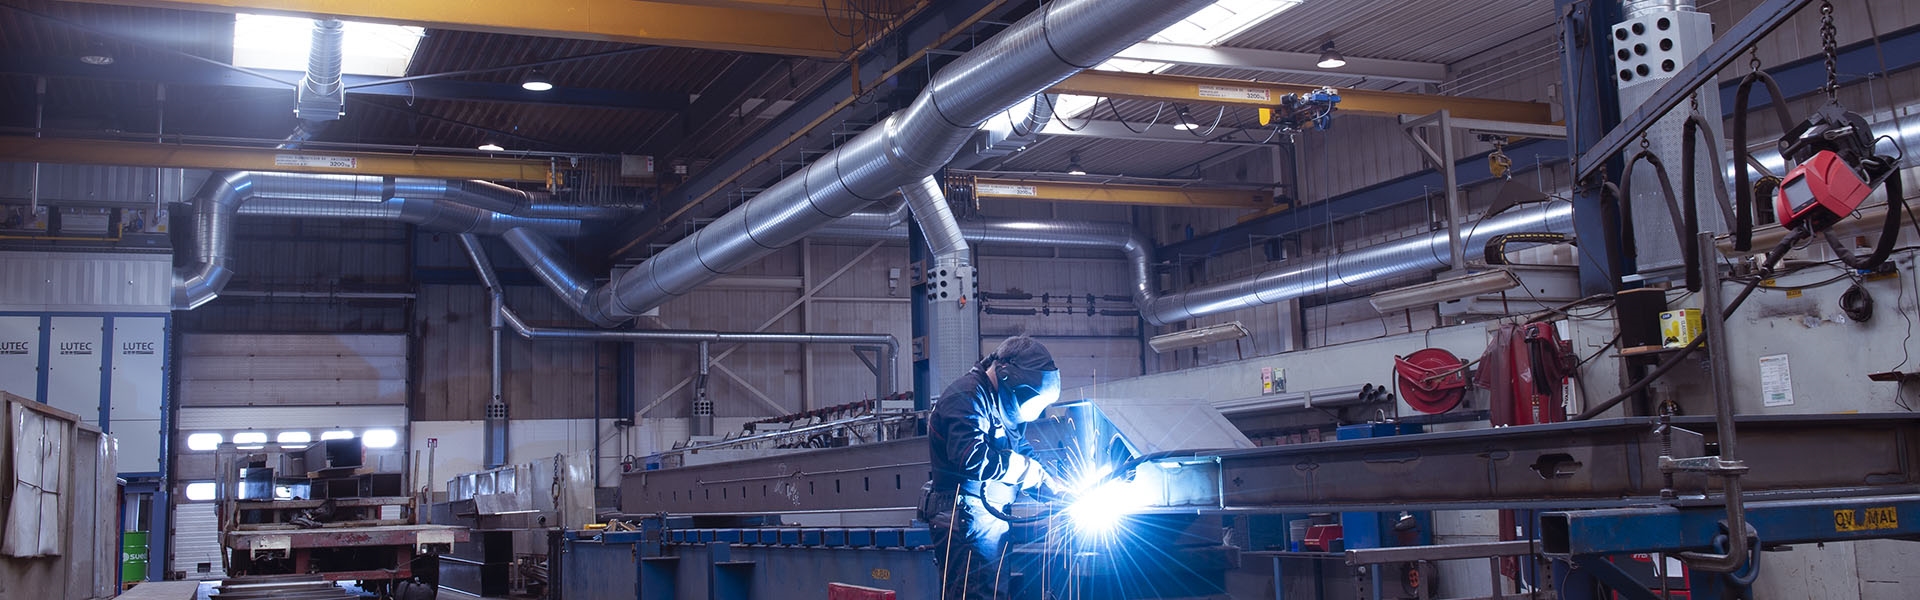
{"points": [[1329, 57], [1073, 164], [97, 55], [536, 82]]}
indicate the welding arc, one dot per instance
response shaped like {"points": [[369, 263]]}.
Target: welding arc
{"points": [[1773, 256], [1053, 503]]}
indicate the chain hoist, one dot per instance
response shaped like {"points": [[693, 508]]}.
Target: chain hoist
{"points": [[1830, 48]]}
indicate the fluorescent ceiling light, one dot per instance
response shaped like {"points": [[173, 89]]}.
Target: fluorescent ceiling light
{"points": [[1199, 336], [1445, 290], [280, 43]]}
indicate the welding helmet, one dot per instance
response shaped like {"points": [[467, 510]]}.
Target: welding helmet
{"points": [[1028, 379]]}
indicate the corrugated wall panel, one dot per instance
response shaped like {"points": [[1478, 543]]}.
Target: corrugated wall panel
{"points": [[266, 369], [85, 282], [290, 417], [543, 380]]}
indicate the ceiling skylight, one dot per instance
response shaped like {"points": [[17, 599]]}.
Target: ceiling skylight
{"points": [[1212, 26], [280, 43]]}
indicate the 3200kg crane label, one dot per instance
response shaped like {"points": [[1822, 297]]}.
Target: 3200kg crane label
{"points": [[1848, 520]]}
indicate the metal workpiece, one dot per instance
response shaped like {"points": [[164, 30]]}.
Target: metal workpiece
{"points": [[864, 477], [1023, 60], [1560, 465]]}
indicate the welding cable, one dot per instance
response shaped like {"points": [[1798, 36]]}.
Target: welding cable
{"points": [[1691, 255], [1744, 205], [1773, 256]]}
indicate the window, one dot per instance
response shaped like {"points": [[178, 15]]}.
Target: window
{"points": [[200, 490], [250, 439], [204, 441], [274, 42], [294, 437], [337, 434], [380, 438]]}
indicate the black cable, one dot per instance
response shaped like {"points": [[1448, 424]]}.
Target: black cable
{"points": [[1857, 303], [1889, 230], [1157, 109], [1673, 207], [1742, 189]]}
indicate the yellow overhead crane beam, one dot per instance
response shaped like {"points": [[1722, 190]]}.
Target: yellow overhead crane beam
{"points": [[841, 9], [1205, 90], [1116, 193], [233, 158], [713, 25]]}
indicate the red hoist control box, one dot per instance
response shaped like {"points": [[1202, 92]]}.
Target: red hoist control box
{"points": [[1820, 191]]}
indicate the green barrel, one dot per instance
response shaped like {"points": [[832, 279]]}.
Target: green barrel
{"points": [[133, 556]]}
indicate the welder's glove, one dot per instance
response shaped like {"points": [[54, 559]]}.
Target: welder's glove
{"points": [[1024, 472]]}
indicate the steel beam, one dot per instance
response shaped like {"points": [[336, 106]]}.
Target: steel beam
{"points": [[232, 158], [1673, 529], [1297, 63], [1562, 465], [629, 21], [1118, 193], [841, 9], [1206, 90], [1762, 20], [1161, 132]]}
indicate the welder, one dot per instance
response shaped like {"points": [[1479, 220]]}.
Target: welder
{"points": [[982, 462]]}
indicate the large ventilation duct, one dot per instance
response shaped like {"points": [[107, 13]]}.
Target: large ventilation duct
{"points": [[548, 263], [1063, 38], [456, 206], [432, 214], [1351, 269]]}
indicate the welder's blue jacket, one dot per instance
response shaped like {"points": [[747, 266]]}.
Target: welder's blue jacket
{"points": [[972, 435]]}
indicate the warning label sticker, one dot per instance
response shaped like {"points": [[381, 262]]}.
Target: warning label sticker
{"points": [[1004, 189], [1228, 92], [315, 161]]}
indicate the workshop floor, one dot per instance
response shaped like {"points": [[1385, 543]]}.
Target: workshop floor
{"points": [[207, 588]]}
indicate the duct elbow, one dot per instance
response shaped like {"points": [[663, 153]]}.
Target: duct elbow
{"points": [[199, 284]]}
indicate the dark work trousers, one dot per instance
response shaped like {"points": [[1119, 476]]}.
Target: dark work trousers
{"points": [[968, 541]]}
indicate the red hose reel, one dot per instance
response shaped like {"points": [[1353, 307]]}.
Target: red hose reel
{"points": [[1431, 380]]}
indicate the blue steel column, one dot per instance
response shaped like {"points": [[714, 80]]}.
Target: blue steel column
{"points": [[924, 389], [1592, 107]]}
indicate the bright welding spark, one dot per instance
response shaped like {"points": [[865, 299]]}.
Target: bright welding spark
{"points": [[1101, 505]]}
